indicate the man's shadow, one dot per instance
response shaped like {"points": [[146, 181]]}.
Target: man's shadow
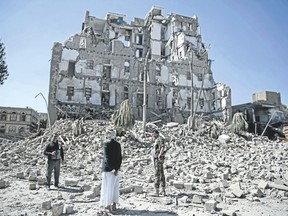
{"points": [[68, 189], [143, 212]]}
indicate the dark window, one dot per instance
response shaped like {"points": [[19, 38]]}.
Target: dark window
{"points": [[2, 129], [3, 116], [189, 102], [158, 69], [106, 72], [70, 92], [21, 130], [126, 93], [105, 87], [127, 66], [105, 98], [139, 99], [90, 64], [71, 68], [214, 105], [201, 103], [141, 76], [23, 117], [139, 39], [139, 53], [189, 75], [88, 93], [200, 77]]}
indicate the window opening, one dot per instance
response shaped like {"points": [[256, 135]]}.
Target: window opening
{"points": [[127, 66], [13, 116], [70, 92], [71, 69], [106, 72], [90, 64]]}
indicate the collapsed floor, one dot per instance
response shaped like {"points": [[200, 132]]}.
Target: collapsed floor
{"points": [[205, 176]]}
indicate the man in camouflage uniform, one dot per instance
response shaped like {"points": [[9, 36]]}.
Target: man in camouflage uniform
{"points": [[158, 159]]}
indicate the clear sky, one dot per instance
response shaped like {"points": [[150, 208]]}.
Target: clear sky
{"points": [[249, 41]]}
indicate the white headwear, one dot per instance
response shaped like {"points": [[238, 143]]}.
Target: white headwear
{"points": [[111, 132]]}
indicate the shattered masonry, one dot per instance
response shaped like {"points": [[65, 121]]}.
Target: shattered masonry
{"points": [[104, 65]]}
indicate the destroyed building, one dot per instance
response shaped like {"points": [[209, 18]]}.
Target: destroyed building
{"points": [[111, 60], [265, 115]]}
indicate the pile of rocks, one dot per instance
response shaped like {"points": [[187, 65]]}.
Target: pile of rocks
{"points": [[206, 173]]}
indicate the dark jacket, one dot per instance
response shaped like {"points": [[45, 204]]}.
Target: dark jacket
{"points": [[112, 156], [54, 146]]}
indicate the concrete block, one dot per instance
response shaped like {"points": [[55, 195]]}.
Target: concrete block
{"points": [[262, 184], [278, 182], [57, 209], [197, 199], [2, 184], [257, 193], [225, 184], [90, 194], [183, 199], [209, 175], [46, 205], [41, 180], [69, 209], [20, 175], [210, 205], [71, 182], [126, 190], [223, 138], [87, 187], [178, 184], [138, 189], [32, 177], [188, 186], [236, 190], [32, 186]]}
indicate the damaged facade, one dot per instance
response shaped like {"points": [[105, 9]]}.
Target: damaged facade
{"points": [[265, 114], [106, 63]]}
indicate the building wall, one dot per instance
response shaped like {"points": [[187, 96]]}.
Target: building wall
{"points": [[270, 97], [17, 121], [104, 64]]}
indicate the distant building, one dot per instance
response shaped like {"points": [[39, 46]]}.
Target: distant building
{"points": [[17, 122], [107, 62], [265, 114], [269, 97]]}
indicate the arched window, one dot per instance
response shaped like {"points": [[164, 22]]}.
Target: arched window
{"points": [[12, 129], [21, 130], [13, 116], [3, 116], [23, 116]]}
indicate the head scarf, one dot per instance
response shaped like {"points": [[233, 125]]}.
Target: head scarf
{"points": [[111, 133]]}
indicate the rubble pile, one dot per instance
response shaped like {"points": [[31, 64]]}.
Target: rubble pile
{"points": [[208, 170]]}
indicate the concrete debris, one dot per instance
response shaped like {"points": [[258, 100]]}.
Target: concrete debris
{"points": [[200, 170]]}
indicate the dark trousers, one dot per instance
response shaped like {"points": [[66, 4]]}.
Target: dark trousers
{"points": [[53, 165], [159, 173]]}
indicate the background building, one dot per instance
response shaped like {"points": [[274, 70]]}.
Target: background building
{"points": [[265, 114], [110, 60], [17, 122]]}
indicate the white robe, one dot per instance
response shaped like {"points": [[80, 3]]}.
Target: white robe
{"points": [[110, 189]]}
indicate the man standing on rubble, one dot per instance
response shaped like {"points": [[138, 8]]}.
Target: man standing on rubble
{"points": [[112, 160], [55, 155], [158, 156]]}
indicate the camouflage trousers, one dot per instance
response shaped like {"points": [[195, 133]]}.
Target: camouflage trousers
{"points": [[159, 173]]}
